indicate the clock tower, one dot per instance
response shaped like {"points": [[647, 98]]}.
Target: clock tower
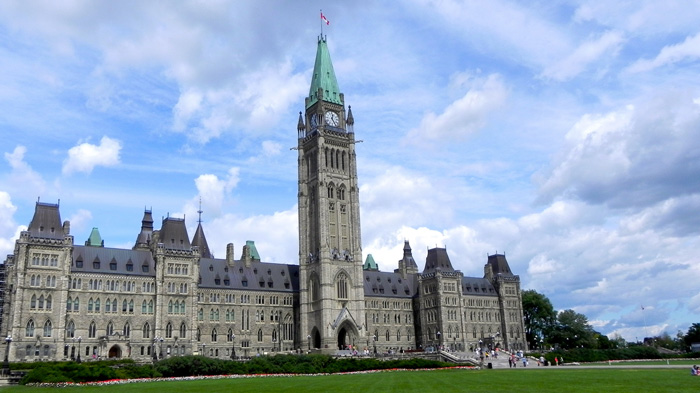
{"points": [[330, 251]]}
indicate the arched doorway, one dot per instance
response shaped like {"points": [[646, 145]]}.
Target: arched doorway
{"points": [[114, 352], [342, 338], [347, 335], [317, 338]]}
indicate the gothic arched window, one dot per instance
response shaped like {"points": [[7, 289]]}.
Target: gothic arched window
{"points": [[70, 329], [29, 331], [342, 286]]}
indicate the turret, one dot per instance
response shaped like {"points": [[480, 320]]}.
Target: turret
{"points": [[350, 121], [145, 237]]}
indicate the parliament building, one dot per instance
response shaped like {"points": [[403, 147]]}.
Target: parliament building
{"points": [[168, 296]]}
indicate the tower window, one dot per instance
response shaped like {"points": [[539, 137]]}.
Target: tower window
{"points": [[342, 286]]}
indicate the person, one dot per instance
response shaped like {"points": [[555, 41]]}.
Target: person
{"points": [[524, 361], [542, 360], [695, 370], [556, 360]]}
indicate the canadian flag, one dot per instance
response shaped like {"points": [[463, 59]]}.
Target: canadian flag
{"points": [[323, 18]]}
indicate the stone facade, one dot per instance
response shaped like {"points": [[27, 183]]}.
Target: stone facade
{"points": [[168, 296]]}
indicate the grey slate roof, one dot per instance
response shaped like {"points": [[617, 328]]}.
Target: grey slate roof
{"points": [[173, 234], [389, 284], [275, 277], [477, 286], [109, 256], [499, 265], [46, 222], [200, 241], [437, 259]]}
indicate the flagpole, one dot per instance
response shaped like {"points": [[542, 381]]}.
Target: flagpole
{"points": [[321, 24]]}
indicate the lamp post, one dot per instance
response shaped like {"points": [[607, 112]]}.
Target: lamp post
{"points": [[79, 340], [308, 340], [374, 337], [154, 353], [233, 347], [161, 348], [204, 349], [439, 341], [6, 362]]}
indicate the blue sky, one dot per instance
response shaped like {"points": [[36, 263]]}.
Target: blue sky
{"points": [[565, 134]]}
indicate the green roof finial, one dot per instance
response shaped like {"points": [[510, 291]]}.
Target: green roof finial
{"points": [[95, 240], [370, 264], [323, 77]]}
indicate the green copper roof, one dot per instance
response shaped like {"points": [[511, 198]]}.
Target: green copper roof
{"points": [[253, 251], [324, 77], [95, 240], [370, 264]]}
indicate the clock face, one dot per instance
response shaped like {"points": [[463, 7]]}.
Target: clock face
{"points": [[331, 119]]}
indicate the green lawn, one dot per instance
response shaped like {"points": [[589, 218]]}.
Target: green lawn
{"points": [[492, 381]]}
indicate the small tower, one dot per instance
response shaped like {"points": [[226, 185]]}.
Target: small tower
{"points": [[144, 238]]}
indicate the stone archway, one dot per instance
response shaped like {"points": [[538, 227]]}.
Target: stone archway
{"points": [[114, 352], [347, 335], [342, 338], [316, 338]]}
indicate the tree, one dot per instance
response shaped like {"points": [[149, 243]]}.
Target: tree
{"points": [[693, 335], [573, 331], [539, 315]]}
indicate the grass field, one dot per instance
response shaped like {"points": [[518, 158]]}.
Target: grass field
{"points": [[542, 380]]}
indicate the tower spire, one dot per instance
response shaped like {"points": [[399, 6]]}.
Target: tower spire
{"points": [[200, 211]]}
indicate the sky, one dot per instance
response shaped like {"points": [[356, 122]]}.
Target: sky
{"points": [[565, 134]]}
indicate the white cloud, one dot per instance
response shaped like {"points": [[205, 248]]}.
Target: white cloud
{"points": [[275, 236], [671, 54], [213, 192], [23, 180], [80, 221], [584, 55], [630, 158], [464, 116], [85, 156], [9, 230]]}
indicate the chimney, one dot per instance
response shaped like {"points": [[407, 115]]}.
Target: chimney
{"points": [[229, 254]]}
